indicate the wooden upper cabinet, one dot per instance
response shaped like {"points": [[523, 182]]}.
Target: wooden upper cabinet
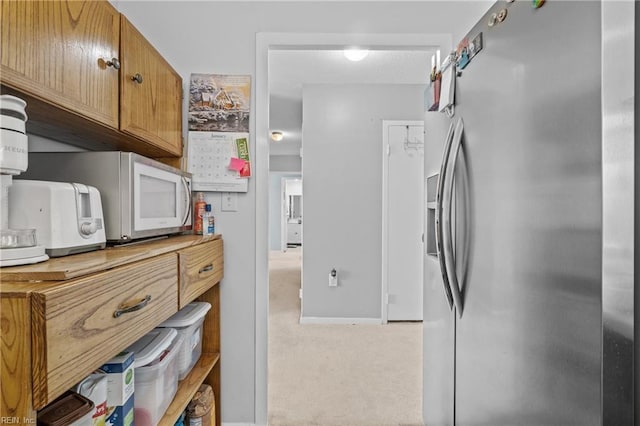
{"points": [[73, 61], [60, 51], [150, 93]]}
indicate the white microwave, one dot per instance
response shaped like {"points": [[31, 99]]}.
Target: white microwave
{"points": [[141, 197]]}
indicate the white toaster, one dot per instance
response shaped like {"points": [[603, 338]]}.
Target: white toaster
{"points": [[67, 216]]}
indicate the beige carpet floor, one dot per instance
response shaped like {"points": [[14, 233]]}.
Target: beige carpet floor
{"points": [[337, 375]]}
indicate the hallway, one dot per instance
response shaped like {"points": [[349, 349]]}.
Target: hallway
{"points": [[337, 375]]}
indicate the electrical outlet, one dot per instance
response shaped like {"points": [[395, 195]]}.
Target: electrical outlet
{"points": [[333, 278]]}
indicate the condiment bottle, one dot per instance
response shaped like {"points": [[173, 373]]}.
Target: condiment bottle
{"points": [[211, 222], [198, 212], [206, 217]]}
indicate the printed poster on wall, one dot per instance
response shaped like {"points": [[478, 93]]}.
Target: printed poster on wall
{"points": [[219, 161]]}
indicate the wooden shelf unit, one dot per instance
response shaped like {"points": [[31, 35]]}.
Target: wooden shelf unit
{"points": [[58, 314]]}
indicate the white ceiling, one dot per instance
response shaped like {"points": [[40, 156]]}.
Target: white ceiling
{"points": [[290, 70]]}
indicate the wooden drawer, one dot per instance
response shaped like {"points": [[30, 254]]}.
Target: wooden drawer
{"points": [[201, 267], [75, 328]]}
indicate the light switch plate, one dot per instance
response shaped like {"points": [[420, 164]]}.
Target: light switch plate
{"points": [[229, 202]]}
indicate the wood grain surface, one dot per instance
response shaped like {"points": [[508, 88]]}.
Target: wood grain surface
{"points": [[15, 351], [58, 50], [211, 343], [54, 333], [187, 388], [201, 267], [151, 109], [64, 268], [76, 328]]}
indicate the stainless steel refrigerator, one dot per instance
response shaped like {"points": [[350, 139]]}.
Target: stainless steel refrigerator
{"points": [[529, 220]]}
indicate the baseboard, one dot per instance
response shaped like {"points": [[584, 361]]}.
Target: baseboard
{"points": [[352, 321], [238, 424]]}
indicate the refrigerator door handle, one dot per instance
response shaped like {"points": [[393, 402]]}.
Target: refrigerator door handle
{"points": [[449, 258], [439, 212]]}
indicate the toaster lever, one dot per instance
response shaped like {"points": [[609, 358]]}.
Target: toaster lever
{"points": [[88, 224], [88, 228]]}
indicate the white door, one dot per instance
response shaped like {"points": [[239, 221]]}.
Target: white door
{"points": [[403, 193]]}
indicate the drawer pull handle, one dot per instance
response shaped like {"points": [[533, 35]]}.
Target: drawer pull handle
{"points": [[125, 309], [207, 268]]}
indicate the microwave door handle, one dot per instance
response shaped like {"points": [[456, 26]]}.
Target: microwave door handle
{"points": [[187, 201], [450, 262], [439, 212]]}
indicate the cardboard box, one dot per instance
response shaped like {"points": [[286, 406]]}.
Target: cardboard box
{"points": [[121, 415], [120, 389]]}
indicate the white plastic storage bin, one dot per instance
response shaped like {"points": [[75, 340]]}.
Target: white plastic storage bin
{"points": [[188, 323], [156, 374]]}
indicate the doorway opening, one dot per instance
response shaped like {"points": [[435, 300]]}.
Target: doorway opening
{"points": [[291, 215], [268, 43]]}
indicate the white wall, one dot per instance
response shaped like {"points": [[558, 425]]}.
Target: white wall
{"points": [[342, 163], [285, 113], [220, 37], [285, 163]]}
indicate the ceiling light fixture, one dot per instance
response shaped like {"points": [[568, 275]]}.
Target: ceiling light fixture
{"points": [[355, 55], [277, 136]]}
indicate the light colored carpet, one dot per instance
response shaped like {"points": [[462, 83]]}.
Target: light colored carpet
{"points": [[337, 375]]}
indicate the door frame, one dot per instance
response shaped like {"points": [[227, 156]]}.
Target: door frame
{"points": [[282, 41], [384, 295]]}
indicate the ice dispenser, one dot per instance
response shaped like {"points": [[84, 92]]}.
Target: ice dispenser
{"points": [[430, 215]]}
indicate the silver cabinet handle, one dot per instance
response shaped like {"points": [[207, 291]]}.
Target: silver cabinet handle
{"points": [[125, 309], [449, 258], [137, 78], [207, 268], [114, 62], [439, 208]]}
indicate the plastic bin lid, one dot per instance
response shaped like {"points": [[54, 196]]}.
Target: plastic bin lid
{"points": [[188, 315], [151, 345], [70, 407]]}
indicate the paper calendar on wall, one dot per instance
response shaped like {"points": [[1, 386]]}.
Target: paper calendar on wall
{"points": [[218, 144], [219, 161]]}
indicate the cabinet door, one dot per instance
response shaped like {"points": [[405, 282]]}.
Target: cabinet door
{"points": [[151, 93], [59, 51]]}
